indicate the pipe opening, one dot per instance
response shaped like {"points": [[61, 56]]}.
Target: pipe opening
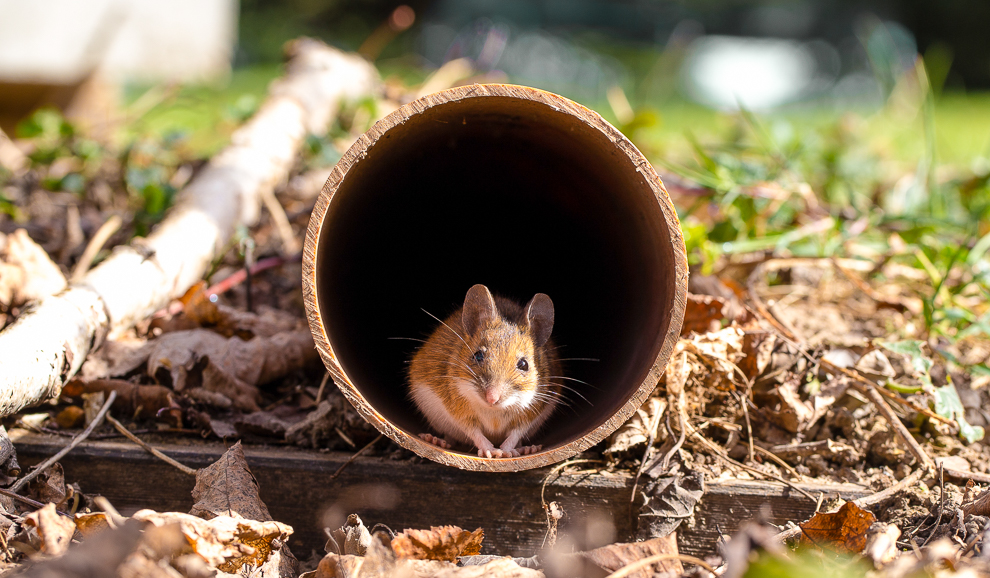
{"points": [[522, 197]]}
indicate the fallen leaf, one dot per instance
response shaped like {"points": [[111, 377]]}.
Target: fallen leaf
{"points": [[615, 556], [230, 366], [845, 529], [225, 543], [636, 431], [93, 523], [27, 272], [438, 543], [351, 538], [54, 529], [49, 486], [70, 417], [702, 314], [133, 401], [667, 501], [228, 488], [881, 545], [499, 568]]}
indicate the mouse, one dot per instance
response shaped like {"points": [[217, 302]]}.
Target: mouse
{"points": [[485, 375]]}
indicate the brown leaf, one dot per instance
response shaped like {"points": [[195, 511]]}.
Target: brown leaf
{"points": [[133, 400], [438, 543], [230, 366], [54, 529], [226, 543], [227, 488], [702, 314], [499, 568], [636, 431], [27, 272], [49, 486], [845, 529], [615, 556], [90, 524], [70, 417]]}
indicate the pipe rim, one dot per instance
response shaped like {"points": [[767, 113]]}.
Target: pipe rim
{"points": [[357, 151]]}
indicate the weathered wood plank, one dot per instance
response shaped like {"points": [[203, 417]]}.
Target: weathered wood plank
{"points": [[297, 488]]}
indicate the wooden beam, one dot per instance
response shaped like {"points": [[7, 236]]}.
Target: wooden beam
{"points": [[412, 493]]}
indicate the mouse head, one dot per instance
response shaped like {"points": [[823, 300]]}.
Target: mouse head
{"points": [[505, 346]]}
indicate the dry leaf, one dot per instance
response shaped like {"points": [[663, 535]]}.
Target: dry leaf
{"points": [[90, 524], [226, 543], [49, 486], [230, 366], [615, 556], [54, 529], [845, 529], [438, 543], [227, 488], [71, 417], [881, 545], [702, 314], [27, 272], [636, 431], [133, 400], [351, 538], [499, 568]]}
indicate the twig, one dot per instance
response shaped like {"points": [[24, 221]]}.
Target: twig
{"points": [[554, 470], [28, 501], [718, 453], [239, 276], [773, 457], [289, 243], [941, 506], [114, 517], [102, 235], [323, 387], [908, 480], [354, 456], [643, 562], [855, 376], [871, 392], [646, 453], [127, 434], [72, 444]]}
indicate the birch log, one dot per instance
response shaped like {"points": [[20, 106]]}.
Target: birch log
{"points": [[48, 343]]}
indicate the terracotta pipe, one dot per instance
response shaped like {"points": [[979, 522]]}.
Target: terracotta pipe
{"points": [[526, 192]]}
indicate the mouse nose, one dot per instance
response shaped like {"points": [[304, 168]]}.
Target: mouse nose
{"points": [[492, 395]]}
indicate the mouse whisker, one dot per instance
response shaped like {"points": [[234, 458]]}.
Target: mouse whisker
{"points": [[579, 359], [572, 390], [448, 327], [406, 339], [572, 379]]}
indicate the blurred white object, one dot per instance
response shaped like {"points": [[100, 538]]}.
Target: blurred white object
{"points": [[60, 42], [757, 73]]}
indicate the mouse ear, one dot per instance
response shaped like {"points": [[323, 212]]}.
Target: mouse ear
{"points": [[539, 316], [479, 309]]}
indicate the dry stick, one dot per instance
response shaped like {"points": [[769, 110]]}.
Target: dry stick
{"points": [[354, 456], [102, 235], [649, 444], [908, 480], [72, 444], [127, 434], [48, 344], [718, 453], [643, 562], [28, 501], [290, 245], [871, 392], [773, 457]]}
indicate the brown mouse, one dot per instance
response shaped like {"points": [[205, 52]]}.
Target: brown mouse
{"points": [[484, 376]]}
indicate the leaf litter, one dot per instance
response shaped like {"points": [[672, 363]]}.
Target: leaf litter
{"points": [[753, 388]]}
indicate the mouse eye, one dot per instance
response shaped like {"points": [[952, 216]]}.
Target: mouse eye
{"points": [[479, 356], [523, 365]]}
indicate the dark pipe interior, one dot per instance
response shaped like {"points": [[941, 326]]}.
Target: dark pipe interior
{"points": [[513, 194]]}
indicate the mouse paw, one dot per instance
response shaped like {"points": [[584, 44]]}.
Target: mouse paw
{"points": [[434, 440], [527, 450], [493, 453]]}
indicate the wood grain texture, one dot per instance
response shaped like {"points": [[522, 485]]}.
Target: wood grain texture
{"points": [[621, 152], [296, 486]]}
